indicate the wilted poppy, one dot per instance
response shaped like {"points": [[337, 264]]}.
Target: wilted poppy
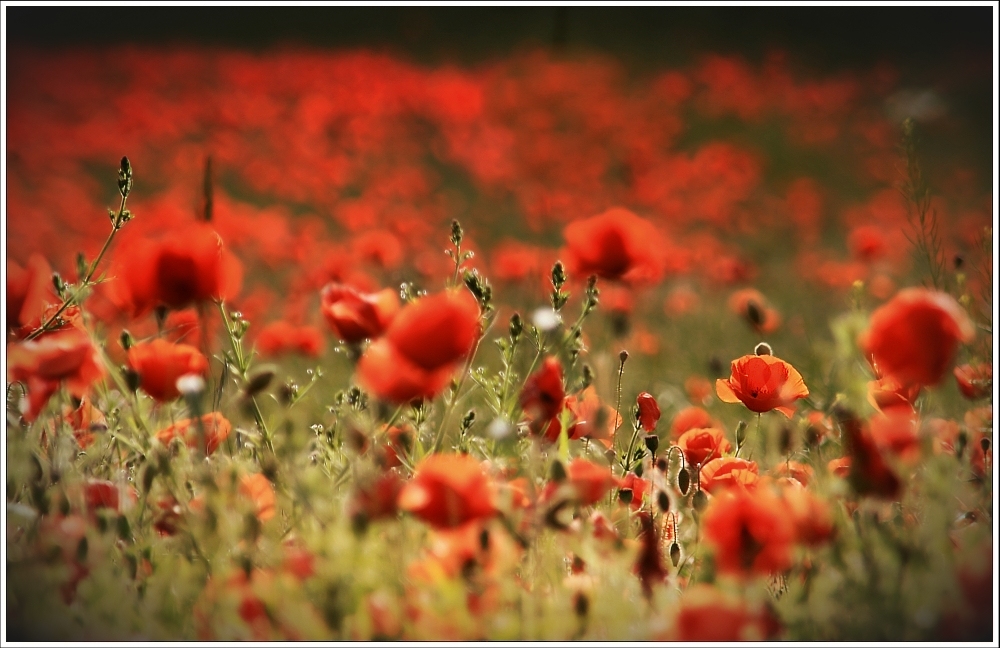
{"points": [[188, 266], [215, 425], [543, 393], [63, 357], [160, 363], [417, 356], [616, 244], [762, 383], [914, 337], [702, 444], [649, 411], [355, 316], [750, 531], [448, 490]]}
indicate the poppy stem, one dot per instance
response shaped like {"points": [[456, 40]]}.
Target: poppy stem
{"points": [[242, 366]]}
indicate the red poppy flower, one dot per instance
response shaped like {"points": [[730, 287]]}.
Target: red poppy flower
{"points": [[376, 498], [809, 514], [282, 337], [589, 418], [725, 473], [887, 395], [355, 316], [896, 434], [869, 473], [690, 418], [750, 530], [542, 396], [29, 294], [703, 444], [615, 245], [762, 383], [160, 363], [62, 357], [259, 490], [914, 337], [974, 381], [649, 411], [448, 490], [217, 429], [639, 488], [188, 266], [590, 481], [418, 354], [708, 614], [85, 420]]}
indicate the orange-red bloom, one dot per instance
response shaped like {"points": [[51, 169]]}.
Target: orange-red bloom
{"points": [[355, 316], [914, 337], [974, 381], [29, 294], [750, 530], [590, 481], [762, 383], [67, 357], [259, 490], [708, 614], [887, 395], [724, 473], [419, 352], [616, 244], [160, 363], [281, 337], [187, 266], [543, 393], [448, 490], [690, 418], [809, 514], [217, 428], [703, 444]]}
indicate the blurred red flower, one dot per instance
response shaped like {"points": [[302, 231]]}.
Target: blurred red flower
{"points": [[690, 418], [708, 614], [160, 363], [753, 307], [762, 383], [447, 491], [543, 394], [724, 473], [375, 498], [615, 245], [639, 488], [355, 316], [188, 266], [750, 530], [887, 395], [649, 411], [590, 482], [914, 337], [974, 381], [62, 357], [29, 294], [809, 514], [256, 488], [869, 473], [217, 428], [418, 354], [281, 337]]}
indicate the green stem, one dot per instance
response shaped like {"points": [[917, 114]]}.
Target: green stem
{"points": [[241, 364]]}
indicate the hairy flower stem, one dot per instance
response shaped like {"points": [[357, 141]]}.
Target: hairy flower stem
{"points": [[439, 436], [242, 364], [49, 324]]}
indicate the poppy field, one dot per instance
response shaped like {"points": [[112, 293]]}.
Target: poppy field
{"points": [[335, 345]]}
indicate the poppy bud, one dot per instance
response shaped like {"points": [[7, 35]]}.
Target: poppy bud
{"points": [[683, 481], [123, 529], [581, 604], [132, 379], [699, 500], [126, 339], [984, 443], [741, 434], [661, 464], [623, 356], [258, 380], [148, 475], [625, 495], [652, 443], [557, 472], [754, 314], [785, 440], [638, 470], [484, 540], [663, 501], [960, 443], [762, 349], [516, 327], [675, 554]]}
